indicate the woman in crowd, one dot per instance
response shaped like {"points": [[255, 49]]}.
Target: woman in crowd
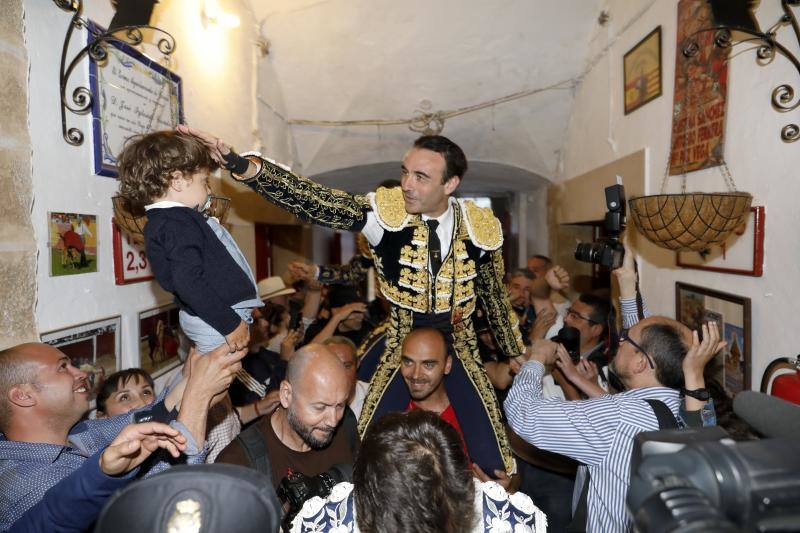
{"points": [[411, 475]]}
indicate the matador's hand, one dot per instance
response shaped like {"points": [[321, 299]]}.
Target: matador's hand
{"points": [[216, 146]]}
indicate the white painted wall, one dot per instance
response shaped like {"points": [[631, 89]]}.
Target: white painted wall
{"points": [[219, 72], [759, 162]]}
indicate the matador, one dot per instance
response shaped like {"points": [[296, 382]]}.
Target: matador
{"points": [[434, 256]]}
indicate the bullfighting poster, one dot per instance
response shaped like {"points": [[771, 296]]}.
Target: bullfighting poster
{"points": [[701, 89], [73, 244]]}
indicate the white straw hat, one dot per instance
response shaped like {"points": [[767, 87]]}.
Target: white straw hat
{"points": [[273, 287]]}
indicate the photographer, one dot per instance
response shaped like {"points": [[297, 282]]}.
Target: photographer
{"points": [[599, 432], [347, 318], [312, 429]]}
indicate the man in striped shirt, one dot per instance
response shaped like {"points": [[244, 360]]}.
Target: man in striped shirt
{"points": [[599, 432]]}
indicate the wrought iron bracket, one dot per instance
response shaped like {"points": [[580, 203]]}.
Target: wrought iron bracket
{"points": [[81, 100], [767, 47]]}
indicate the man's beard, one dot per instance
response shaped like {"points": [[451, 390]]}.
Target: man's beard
{"points": [[419, 395], [306, 431]]}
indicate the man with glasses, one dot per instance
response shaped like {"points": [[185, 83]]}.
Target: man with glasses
{"points": [[599, 432], [589, 314]]}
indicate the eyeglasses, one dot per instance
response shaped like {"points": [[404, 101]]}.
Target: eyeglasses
{"points": [[576, 314], [623, 337]]}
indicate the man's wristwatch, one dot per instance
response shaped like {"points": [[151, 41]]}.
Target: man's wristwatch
{"points": [[698, 394]]}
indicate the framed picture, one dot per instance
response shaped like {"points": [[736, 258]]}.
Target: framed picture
{"points": [[160, 340], [743, 254], [695, 305], [94, 347], [73, 243], [133, 94], [130, 261], [642, 71]]}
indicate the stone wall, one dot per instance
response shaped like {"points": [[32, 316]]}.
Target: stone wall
{"points": [[17, 240]]}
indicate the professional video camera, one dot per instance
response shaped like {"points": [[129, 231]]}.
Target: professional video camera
{"points": [[608, 252], [701, 480], [296, 488]]}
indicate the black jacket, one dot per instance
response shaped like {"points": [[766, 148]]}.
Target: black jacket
{"points": [[190, 261]]}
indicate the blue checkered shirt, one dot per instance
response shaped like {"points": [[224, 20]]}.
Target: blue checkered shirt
{"points": [[28, 470]]}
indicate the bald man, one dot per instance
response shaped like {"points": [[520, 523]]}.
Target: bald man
{"points": [[42, 400], [311, 430], [424, 362]]}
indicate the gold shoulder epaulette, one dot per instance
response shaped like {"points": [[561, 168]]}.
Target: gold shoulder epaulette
{"points": [[483, 227], [389, 208]]}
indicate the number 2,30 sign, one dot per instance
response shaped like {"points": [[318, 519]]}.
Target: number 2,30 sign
{"points": [[130, 261]]}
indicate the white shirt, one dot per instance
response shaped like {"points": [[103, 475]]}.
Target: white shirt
{"points": [[374, 232], [360, 394]]}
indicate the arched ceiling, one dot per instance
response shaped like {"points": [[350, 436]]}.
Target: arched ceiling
{"points": [[482, 178], [386, 59]]}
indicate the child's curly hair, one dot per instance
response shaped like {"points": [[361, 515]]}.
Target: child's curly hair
{"points": [[147, 162]]}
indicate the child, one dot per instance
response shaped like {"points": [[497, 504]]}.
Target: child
{"points": [[124, 391], [192, 255]]}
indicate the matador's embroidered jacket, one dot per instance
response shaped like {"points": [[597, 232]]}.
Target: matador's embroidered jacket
{"points": [[473, 268]]}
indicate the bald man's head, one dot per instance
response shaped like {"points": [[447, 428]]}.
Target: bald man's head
{"points": [[16, 367], [424, 362], [425, 340], [314, 394], [41, 382]]}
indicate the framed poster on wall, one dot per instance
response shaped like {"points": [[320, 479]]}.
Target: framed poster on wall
{"points": [[73, 243], [133, 95], [160, 339], [695, 305], [130, 261], [641, 67], [93, 347]]}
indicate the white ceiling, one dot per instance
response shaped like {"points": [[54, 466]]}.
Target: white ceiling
{"points": [[380, 59]]}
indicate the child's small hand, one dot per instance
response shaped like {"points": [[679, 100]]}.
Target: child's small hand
{"points": [[239, 338]]}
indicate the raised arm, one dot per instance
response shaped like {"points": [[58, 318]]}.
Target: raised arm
{"points": [[300, 196]]}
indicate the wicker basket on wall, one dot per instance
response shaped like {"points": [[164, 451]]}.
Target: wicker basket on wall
{"points": [[690, 221], [131, 221]]}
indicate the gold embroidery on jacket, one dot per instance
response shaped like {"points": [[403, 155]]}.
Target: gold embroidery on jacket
{"points": [[483, 227], [466, 347], [390, 208], [400, 322], [308, 200]]}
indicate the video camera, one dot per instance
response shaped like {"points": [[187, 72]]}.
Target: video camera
{"points": [[695, 480], [296, 488], [607, 252]]}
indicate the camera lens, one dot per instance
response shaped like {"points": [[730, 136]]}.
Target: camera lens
{"points": [[587, 252]]}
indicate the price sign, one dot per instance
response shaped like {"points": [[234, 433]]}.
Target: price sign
{"points": [[130, 261]]}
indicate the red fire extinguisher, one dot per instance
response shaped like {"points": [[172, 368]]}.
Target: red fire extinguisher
{"points": [[785, 386]]}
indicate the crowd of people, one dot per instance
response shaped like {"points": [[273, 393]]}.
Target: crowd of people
{"points": [[458, 399]]}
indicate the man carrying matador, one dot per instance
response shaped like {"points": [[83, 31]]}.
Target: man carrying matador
{"points": [[434, 257]]}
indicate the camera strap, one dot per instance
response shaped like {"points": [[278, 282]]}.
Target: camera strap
{"points": [[666, 420], [255, 447]]}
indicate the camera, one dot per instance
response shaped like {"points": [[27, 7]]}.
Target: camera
{"points": [[295, 319], [607, 252], [570, 339], [296, 488], [701, 481]]}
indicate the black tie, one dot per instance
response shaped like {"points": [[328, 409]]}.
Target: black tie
{"points": [[434, 246]]}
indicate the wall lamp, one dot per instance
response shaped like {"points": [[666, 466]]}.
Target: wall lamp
{"points": [[736, 24], [132, 17], [214, 15]]}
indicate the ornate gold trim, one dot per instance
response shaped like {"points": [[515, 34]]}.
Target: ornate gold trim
{"points": [[389, 208], [483, 227]]}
